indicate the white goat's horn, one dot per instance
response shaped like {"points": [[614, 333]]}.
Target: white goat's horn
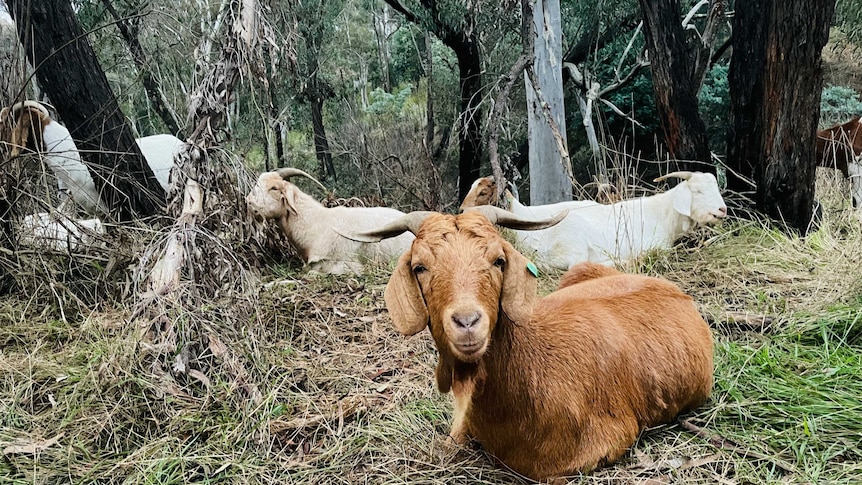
{"points": [[287, 172], [505, 218], [408, 222], [30, 104], [681, 175]]}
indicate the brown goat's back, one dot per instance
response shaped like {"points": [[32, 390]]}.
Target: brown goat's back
{"points": [[610, 356], [585, 271]]}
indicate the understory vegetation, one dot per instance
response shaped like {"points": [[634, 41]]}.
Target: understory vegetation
{"points": [[305, 381]]}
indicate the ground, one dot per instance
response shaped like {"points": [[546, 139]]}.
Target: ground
{"points": [[305, 381]]}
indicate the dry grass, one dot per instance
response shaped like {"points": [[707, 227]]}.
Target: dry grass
{"points": [[344, 399]]}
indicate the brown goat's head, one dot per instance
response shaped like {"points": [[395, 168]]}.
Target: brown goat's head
{"points": [[482, 192], [274, 197], [30, 119], [457, 277]]}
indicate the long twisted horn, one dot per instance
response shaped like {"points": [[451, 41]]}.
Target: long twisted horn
{"points": [[287, 172], [408, 222], [682, 175], [505, 218]]}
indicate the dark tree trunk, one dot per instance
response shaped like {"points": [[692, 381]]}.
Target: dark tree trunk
{"points": [[674, 84], [151, 85], [775, 82], [68, 71], [321, 143], [466, 48], [465, 44]]}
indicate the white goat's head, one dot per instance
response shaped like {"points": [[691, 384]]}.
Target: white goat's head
{"points": [[698, 197], [457, 276], [274, 196]]}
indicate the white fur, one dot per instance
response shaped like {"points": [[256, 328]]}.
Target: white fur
{"points": [[311, 228], [73, 178], [624, 230], [59, 233]]}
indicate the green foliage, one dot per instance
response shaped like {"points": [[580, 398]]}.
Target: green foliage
{"points": [[848, 16], [383, 103], [636, 99], [714, 105], [838, 104]]}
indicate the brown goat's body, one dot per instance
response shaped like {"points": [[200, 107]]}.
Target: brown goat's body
{"points": [[839, 145], [550, 386], [608, 357]]}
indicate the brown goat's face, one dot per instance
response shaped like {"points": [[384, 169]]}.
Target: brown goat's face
{"points": [[269, 198], [481, 193], [459, 264]]}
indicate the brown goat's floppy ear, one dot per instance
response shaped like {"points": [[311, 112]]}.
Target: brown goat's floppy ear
{"points": [[519, 286], [404, 299]]}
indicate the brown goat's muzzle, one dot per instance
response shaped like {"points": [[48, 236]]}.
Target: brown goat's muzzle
{"points": [[468, 330]]}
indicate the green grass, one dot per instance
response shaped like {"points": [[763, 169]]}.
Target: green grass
{"points": [[344, 399]]}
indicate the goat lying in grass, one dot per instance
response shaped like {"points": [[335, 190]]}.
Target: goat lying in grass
{"points": [[61, 155], [550, 386], [313, 229], [623, 230]]}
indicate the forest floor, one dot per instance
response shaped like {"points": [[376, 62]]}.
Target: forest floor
{"points": [[320, 389]]}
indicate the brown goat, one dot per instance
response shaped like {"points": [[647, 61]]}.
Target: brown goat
{"points": [[550, 386], [839, 147]]}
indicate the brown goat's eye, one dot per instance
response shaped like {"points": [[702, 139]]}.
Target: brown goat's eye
{"points": [[499, 262], [419, 269]]}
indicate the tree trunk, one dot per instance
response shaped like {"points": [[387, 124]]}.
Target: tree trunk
{"points": [[321, 143], [673, 82], [466, 48], [549, 179], [775, 82], [69, 73], [381, 33], [151, 85], [427, 57]]}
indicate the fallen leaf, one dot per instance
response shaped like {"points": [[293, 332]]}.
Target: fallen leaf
{"points": [[31, 448]]}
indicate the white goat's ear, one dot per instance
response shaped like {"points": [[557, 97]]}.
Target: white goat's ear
{"points": [[404, 299], [682, 199], [519, 286], [288, 194]]}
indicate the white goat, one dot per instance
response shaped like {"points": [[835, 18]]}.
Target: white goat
{"points": [[313, 229], [62, 156], [58, 232], [625, 230]]}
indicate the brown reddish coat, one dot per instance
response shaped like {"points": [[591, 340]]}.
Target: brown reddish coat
{"points": [[839, 145], [556, 385]]}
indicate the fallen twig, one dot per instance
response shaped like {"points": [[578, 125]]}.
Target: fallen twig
{"points": [[723, 443]]}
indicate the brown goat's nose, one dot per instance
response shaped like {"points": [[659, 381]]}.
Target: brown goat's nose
{"points": [[467, 320]]}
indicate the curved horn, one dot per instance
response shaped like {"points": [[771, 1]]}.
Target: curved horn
{"points": [[30, 104], [507, 219], [681, 175], [287, 172], [408, 222]]}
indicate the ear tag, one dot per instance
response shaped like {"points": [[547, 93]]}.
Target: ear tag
{"points": [[532, 269]]}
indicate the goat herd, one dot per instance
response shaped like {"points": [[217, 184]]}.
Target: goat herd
{"points": [[549, 386]]}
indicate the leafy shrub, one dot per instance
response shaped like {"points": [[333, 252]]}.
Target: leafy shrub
{"points": [[838, 104]]}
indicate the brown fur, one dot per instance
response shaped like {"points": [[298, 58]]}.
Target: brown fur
{"points": [[30, 122], [585, 271], [556, 385], [483, 193], [839, 145]]}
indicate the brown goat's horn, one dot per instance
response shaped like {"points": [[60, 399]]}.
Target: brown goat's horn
{"points": [[681, 175], [408, 222], [30, 104], [505, 218], [287, 172]]}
